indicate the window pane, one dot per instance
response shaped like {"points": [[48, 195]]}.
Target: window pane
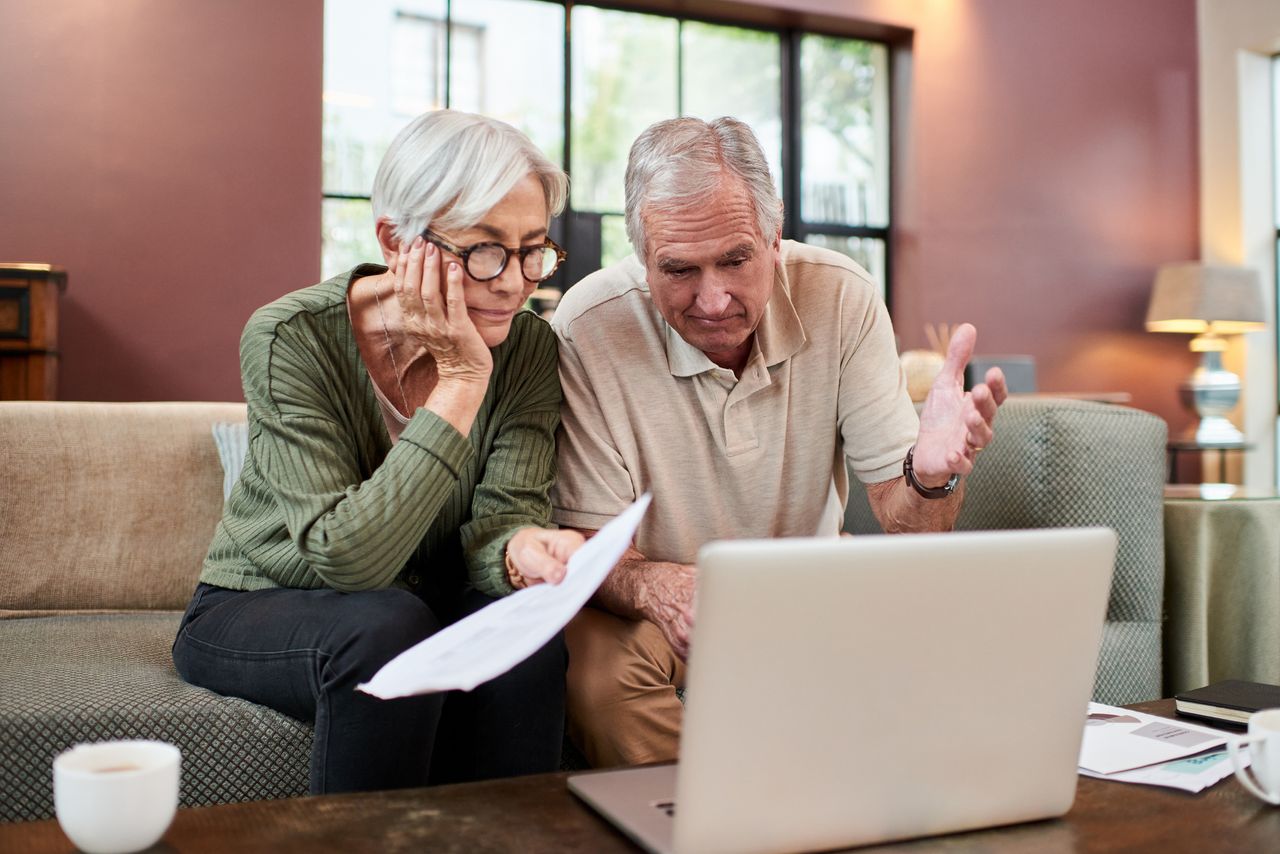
{"points": [[347, 236], [867, 251], [614, 245], [370, 94], [1275, 136], [845, 131], [417, 64], [729, 71], [624, 79], [507, 61]]}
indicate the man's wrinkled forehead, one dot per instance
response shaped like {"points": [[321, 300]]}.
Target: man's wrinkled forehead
{"points": [[720, 222]]}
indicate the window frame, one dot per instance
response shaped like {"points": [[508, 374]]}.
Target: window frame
{"points": [[1275, 202], [790, 27]]}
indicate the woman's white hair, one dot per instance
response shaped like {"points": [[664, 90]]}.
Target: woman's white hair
{"points": [[450, 168], [678, 162]]}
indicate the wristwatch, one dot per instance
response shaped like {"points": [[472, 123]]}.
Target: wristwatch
{"points": [[923, 491]]}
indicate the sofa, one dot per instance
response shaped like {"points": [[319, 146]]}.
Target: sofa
{"points": [[1072, 463], [106, 510]]}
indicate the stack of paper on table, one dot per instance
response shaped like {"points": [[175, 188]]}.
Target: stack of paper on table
{"points": [[1133, 747]]}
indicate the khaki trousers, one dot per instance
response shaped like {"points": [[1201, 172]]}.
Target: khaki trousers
{"points": [[621, 690]]}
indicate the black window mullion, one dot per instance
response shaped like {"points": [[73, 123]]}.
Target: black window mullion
{"points": [[890, 116], [879, 232], [564, 278], [790, 78], [568, 88]]}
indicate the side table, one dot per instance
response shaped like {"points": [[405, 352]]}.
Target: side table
{"points": [[1222, 585], [29, 330]]}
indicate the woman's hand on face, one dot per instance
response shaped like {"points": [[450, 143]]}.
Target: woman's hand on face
{"points": [[434, 308], [540, 554]]}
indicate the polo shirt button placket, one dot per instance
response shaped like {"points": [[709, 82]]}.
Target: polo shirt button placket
{"points": [[739, 428]]}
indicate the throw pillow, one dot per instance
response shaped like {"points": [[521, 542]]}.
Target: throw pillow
{"points": [[232, 441]]}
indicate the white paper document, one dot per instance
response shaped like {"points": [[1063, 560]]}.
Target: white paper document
{"points": [[1192, 774], [497, 638], [1121, 744]]}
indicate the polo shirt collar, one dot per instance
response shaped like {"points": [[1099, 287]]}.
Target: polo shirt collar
{"points": [[779, 336]]}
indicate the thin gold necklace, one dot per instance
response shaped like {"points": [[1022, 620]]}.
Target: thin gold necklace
{"points": [[404, 399]]}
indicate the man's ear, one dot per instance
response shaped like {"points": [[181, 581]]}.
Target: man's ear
{"points": [[387, 242]]}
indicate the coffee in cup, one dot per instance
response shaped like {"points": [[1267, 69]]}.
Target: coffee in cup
{"points": [[113, 797]]}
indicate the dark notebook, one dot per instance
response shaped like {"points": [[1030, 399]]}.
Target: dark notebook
{"points": [[1231, 701]]}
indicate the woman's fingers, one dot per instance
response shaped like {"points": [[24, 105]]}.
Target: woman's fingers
{"points": [[408, 275], [455, 300], [542, 554], [431, 291], [564, 542], [398, 273], [559, 546], [549, 569], [413, 268], [430, 287], [536, 563]]}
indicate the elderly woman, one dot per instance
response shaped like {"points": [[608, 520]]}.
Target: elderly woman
{"points": [[401, 449]]}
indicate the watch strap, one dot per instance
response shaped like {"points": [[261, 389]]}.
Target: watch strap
{"points": [[931, 492]]}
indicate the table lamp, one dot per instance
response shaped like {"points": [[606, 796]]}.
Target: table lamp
{"points": [[1208, 301]]}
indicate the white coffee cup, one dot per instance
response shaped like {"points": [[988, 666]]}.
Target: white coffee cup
{"points": [[1263, 741], [116, 796]]}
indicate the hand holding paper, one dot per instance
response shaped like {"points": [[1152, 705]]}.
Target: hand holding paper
{"points": [[497, 638]]}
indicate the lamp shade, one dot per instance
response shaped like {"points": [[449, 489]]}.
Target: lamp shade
{"points": [[1197, 298]]}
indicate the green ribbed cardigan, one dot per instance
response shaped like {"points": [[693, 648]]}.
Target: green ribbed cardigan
{"points": [[325, 500]]}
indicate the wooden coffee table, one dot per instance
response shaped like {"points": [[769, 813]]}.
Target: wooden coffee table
{"points": [[531, 814]]}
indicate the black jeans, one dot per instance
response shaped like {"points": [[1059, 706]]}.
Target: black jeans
{"points": [[302, 652]]}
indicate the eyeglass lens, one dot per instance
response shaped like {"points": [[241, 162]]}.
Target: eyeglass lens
{"points": [[487, 261]]}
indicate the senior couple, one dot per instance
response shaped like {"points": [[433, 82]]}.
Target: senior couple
{"points": [[404, 467]]}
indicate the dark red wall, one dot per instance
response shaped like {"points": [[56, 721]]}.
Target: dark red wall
{"points": [[1052, 166], [1048, 166], [168, 154]]}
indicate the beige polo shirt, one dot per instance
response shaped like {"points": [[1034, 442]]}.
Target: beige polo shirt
{"points": [[726, 458]]}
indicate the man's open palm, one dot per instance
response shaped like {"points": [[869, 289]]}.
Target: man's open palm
{"points": [[955, 424]]}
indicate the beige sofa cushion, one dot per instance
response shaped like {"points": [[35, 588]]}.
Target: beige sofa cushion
{"points": [[106, 505]]}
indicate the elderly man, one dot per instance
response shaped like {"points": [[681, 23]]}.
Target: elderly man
{"points": [[732, 374]]}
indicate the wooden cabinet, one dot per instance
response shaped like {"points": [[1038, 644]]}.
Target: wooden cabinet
{"points": [[29, 330]]}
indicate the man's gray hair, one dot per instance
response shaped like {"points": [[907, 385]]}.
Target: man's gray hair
{"points": [[679, 162], [449, 168]]}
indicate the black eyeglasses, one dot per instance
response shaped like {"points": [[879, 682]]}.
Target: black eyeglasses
{"points": [[486, 261]]}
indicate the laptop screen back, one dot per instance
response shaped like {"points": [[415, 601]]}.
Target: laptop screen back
{"points": [[855, 690]]}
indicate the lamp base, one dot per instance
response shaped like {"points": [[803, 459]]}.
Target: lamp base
{"points": [[1215, 430], [1211, 392]]}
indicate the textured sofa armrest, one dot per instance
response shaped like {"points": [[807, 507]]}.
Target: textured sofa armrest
{"points": [[1070, 463]]}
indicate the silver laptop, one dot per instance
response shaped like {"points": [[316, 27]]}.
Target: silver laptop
{"points": [[850, 691]]}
